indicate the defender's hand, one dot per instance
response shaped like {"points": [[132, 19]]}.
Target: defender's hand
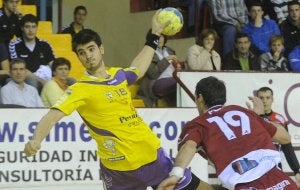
{"points": [[258, 106]]}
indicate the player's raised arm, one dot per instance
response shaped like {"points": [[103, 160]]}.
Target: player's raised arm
{"points": [[143, 59], [42, 130]]}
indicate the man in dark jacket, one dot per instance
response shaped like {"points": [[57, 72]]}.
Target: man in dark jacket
{"points": [[241, 58]]}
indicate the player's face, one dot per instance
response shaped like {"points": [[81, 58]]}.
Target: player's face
{"points": [[294, 12], [267, 99], [11, 5], [18, 72], [62, 72], [90, 55], [243, 45], [29, 30], [80, 16]]}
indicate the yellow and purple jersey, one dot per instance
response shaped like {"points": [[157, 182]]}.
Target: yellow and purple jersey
{"points": [[125, 142]]}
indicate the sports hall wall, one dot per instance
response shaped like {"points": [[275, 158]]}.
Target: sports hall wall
{"points": [[123, 33]]}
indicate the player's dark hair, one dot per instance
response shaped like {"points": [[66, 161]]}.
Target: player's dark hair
{"points": [[264, 89], [86, 36], [212, 90], [79, 7], [293, 2]]}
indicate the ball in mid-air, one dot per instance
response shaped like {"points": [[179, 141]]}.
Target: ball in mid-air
{"points": [[175, 16]]}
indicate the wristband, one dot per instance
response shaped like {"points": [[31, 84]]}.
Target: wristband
{"points": [[177, 171], [152, 41], [264, 116]]}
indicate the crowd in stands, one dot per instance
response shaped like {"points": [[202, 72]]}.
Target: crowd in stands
{"points": [[30, 74], [246, 35]]}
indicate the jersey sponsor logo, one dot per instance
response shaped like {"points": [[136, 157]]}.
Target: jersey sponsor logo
{"points": [[111, 146], [23, 56], [242, 166], [280, 185]]}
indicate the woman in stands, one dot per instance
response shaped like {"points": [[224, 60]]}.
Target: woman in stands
{"points": [[54, 88]]}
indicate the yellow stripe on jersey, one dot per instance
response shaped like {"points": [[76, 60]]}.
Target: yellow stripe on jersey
{"points": [[125, 142]]}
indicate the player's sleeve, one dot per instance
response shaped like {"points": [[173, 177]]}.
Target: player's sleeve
{"points": [[271, 129], [70, 100], [191, 131], [131, 74]]}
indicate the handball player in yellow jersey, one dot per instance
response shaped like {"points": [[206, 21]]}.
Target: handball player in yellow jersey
{"points": [[131, 157]]}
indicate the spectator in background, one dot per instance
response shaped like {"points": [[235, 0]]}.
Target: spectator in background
{"points": [[241, 58], [54, 88], [229, 17], [266, 95], [260, 29], [294, 59], [37, 53], [17, 91], [274, 60], [158, 81], [290, 28], [202, 56], [9, 21], [4, 64], [76, 26]]}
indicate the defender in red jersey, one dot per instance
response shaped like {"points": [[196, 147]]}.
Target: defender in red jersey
{"points": [[235, 139], [266, 95]]}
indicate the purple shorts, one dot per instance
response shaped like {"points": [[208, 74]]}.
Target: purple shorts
{"points": [[148, 175]]}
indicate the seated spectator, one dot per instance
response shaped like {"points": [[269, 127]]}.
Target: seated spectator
{"points": [[37, 53], [202, 56], [158, 81], [294, 59], [260, 29], [79, 16], [229, 17], [9, 21], [55, 87], [4, 64], [241, 58], [290, 28], [274, 60], [17, 91]]}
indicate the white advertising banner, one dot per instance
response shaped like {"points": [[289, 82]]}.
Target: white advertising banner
{"points": [[286, 88], [68, 155]]}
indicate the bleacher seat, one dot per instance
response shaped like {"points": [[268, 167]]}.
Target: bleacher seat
{"points": [[28, 9], [59, 42], [138, 103], [45, 27]]}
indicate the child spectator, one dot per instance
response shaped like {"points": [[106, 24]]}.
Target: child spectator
{"points": [[274, 60]]}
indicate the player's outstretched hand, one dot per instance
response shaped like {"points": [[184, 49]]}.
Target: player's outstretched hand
{"points": [[258, 106], [157, 28], [32, 147], [168, 184]]}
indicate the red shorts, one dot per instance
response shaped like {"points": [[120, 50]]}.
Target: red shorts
{"points": [[274, 179]]}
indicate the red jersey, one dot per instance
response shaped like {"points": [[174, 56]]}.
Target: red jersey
{"points": [[236, 140]]}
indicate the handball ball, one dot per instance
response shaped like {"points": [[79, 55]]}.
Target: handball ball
{"points": [[170, 13]]}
